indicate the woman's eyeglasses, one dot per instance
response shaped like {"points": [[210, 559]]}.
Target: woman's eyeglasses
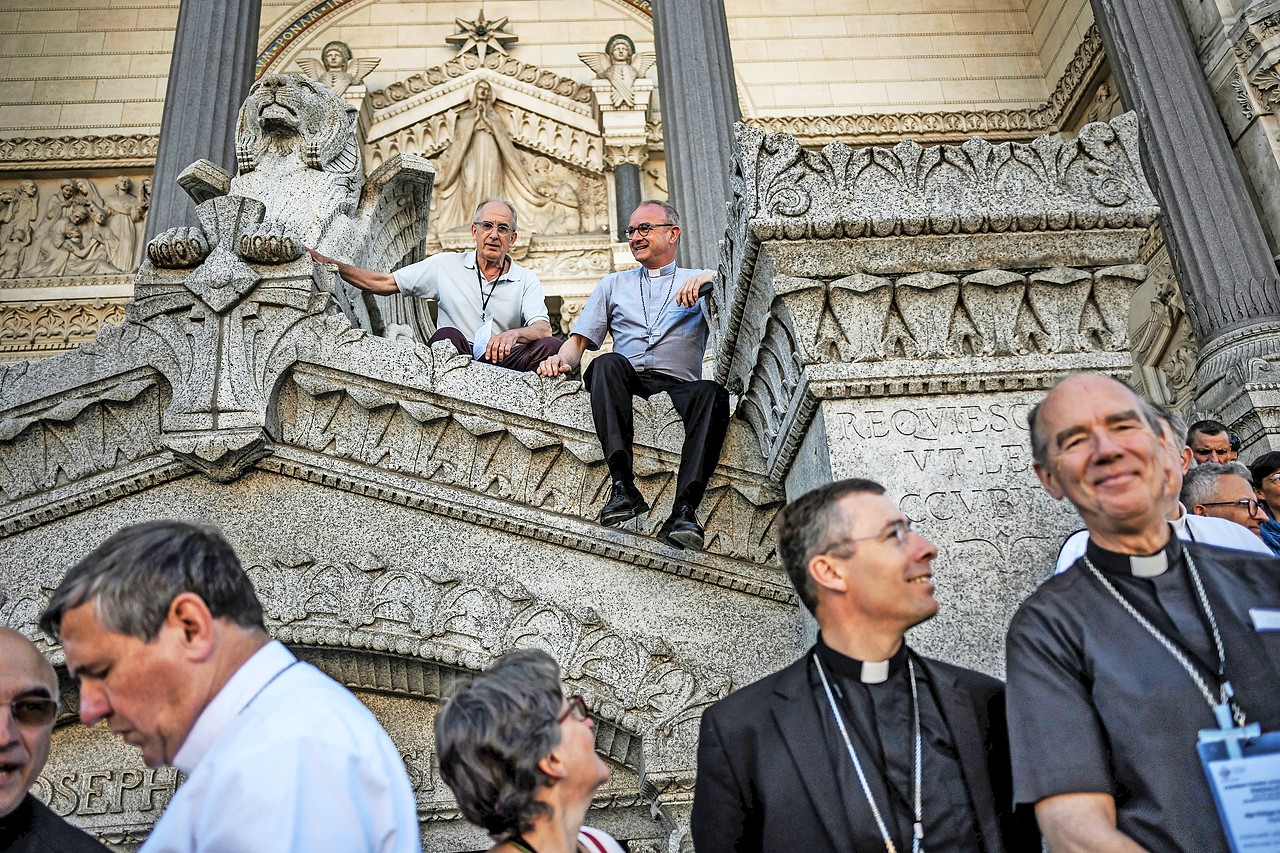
{"points": [[577, 709]]}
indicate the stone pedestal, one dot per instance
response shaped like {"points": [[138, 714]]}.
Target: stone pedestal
{"points": [[894, 313]]}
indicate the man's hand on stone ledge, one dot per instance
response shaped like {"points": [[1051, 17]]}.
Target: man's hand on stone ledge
{"points": [[555, 365]]}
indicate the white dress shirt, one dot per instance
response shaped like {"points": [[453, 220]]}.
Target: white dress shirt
{"points": [[286, 759], [1187, 527]]}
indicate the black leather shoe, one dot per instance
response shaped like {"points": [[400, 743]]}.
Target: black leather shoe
{"points": [[624, 504], [682, 529]]}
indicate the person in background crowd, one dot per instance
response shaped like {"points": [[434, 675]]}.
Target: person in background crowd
{"points": [[520, 758], [1266, 484], [28, 708], [1223, 491], [1210, 441]]}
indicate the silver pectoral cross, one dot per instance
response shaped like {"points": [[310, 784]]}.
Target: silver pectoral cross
{"points": [[1228, 733]]}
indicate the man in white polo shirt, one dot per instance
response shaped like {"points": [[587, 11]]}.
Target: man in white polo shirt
{"points": [[490, 307]]}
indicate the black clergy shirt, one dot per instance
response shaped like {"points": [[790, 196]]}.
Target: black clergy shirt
{"points": [[33, 828], [1097, 705], [879, 718]]}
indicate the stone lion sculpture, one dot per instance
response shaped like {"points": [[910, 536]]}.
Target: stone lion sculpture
{"points": [[297, 154]]}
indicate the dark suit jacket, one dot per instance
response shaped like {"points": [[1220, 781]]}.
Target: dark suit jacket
{"points": [[767, 782]]}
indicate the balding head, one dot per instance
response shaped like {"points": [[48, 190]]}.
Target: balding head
{"points": [[27, 685], [1098, 444]]}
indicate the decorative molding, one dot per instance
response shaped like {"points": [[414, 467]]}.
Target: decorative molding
{"points": [[42, 282], [113, 151], [459, 66], [38, 327], [945, 125]]}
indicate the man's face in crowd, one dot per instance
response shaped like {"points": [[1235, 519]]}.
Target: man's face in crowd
{"points": [[141, 689], [491, 244], [658, 247], [25, 676], [1211, 448], [1104, 456], [890, 582], [1228, 491]]}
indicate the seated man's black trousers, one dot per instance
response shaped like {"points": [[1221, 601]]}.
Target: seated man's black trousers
{"points": [[703, 406]]}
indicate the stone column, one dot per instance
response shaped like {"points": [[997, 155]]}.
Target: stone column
{"points": [[894, 313], [626, 184], [699, 106], [214, 52], [1217, 243]]}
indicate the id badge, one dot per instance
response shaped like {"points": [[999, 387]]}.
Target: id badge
{"points": [[481, 339], [1246, 790]]}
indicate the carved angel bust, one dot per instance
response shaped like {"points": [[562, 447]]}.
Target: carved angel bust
{"points": [[620, 65], [337, 69]]}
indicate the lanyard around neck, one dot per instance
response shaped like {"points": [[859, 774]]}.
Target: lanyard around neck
{"points": [[1223, 699], [917, 835], [480, 280]]}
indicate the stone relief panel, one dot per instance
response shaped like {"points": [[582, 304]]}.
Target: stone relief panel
{"points": [[72, 226], [1164, 347], [37, 328]]}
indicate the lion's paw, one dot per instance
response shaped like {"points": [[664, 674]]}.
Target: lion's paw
{"points": [[179, 248], [270, 243]]}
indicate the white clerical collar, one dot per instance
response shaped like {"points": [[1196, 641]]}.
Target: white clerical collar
{"points": [[1149, 567], [669, 269], [874, 672]]}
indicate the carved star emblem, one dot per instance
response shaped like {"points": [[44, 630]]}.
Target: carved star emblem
{"points": [[482, 35]]}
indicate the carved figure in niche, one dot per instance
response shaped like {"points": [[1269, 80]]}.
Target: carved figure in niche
{"points": [[482, 163], [127, 213], [19, 210], [620, 65], [101, 244], [336, 67], [62, 252], [1105, 104], [58, 207]]}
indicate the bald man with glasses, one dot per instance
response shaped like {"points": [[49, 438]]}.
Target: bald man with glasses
{"points": [[28, 709], [490, 307]]}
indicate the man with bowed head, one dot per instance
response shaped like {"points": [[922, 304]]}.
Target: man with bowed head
{"points": [[28, 709], [164, 632], [1104, 716], [862, 744], [659, 336]]}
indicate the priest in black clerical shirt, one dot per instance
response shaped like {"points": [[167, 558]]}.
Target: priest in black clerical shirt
{"points": [[1103, 718], [862, 744]]}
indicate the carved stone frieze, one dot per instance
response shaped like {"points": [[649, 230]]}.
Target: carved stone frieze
{"points": [[636, 681], [113, 151], [1258, 60], [38, 327], [465, 64]]}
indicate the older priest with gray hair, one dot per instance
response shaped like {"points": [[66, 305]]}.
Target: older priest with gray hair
{"points": [[862, 744], [1146, 646], [164, 633]]}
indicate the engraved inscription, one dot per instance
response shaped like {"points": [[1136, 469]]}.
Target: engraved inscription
{"points": [[117, 790]]}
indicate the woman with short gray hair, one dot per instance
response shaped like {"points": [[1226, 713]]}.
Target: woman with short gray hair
{"points": [[520, 758]]}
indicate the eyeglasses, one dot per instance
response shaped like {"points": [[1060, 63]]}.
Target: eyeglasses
{"points": [[577, 709], [899, 530], [486, 226], [1273, 479], [34, 711], [644, 228], [1250, 505]]}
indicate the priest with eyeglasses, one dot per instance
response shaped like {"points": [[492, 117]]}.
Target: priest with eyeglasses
{"points": [[1144, 681], [862, 744], [655, 315]]}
